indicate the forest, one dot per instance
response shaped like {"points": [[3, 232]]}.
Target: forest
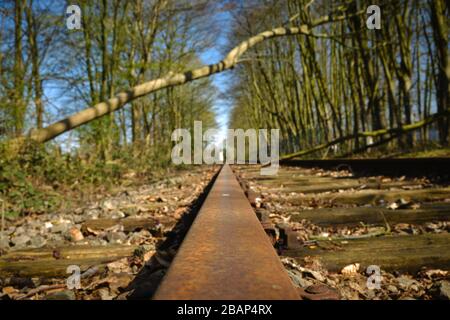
{"points": [[332, 86], [91, 91], [347, 86]]}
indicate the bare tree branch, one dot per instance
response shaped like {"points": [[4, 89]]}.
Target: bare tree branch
{"points": [[170, 80]]}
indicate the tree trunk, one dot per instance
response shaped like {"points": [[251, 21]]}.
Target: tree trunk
{"points": [[34, 55], [439, 22], [19, 86]]}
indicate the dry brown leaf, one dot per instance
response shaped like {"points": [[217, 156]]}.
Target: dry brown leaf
{"points": [[75, 234], [104, 294], [436, 273], [118, 266], [9, 290], [148, 255]]}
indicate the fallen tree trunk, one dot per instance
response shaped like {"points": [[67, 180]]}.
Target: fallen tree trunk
{"points": [[372, 145], [394, 131]]}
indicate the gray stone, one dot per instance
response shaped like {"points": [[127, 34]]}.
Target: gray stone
{"points": [[118, 214], [61, 295], [304, 283], [38, 242], [19, 230], [110, 204], [392, 289], [97, 242], [92, 214], [21, 241], [370, 294], [4, 242], [10, 230], [444, 290], [56, 238], [405, 282], [78, 219], [61, 228], [298, 279], [116, 236], [32, 233]]}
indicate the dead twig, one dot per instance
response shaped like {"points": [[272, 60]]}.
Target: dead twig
{"points": [[388, 227], [41, 289]]}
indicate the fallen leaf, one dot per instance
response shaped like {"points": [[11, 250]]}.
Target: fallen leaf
{"points": [[104, 294], [75, 234], [436, 273], [351, 269], [393, 206], [148, 255], [9, 290], [118, 266]]}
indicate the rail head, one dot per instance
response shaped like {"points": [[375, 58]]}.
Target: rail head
{"points": [[226, 254]]}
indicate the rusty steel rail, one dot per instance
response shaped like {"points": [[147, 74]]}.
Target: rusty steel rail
{"points": [[226, 254]]}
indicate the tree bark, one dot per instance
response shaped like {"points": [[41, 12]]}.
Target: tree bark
{"points": [[34, 55], [19, 105], [439, 12]]}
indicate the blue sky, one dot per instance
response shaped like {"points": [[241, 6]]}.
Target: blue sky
{"points": [[222, 80]]}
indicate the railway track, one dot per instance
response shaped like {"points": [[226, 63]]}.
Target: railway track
{"points": [[226, 254], [342, 218], [309, 232]]}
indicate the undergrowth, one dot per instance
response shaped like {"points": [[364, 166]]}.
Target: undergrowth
{"points": [[42, 179]]}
